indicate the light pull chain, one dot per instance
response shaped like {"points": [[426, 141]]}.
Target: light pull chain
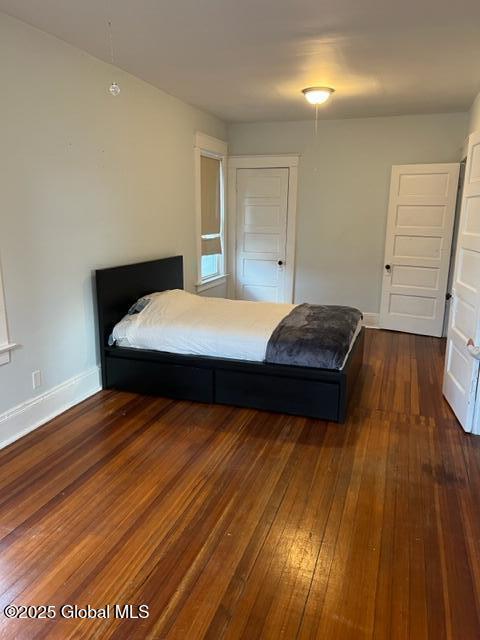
{"points": [[315, 168], [114, 89], [110, 40]]}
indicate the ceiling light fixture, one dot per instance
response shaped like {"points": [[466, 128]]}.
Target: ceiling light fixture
{"points": [[317, 95]]}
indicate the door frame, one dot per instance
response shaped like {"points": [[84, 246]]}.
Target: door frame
{"points": [[288, 161]]}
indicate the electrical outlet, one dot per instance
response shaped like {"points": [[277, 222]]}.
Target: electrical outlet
{"points": [[36, 379]]}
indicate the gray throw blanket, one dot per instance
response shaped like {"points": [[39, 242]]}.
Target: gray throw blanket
{"points": [[313, 336]]}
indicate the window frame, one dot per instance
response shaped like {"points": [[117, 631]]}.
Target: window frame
{"points": [[5, 345], [211, 148]]}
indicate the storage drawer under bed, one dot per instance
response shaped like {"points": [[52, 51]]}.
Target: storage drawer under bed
{"points": [[289, 395], [161, 379]]}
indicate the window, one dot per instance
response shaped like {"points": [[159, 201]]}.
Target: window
{"points": [[210, 179], [210, 266], [211, 217]]}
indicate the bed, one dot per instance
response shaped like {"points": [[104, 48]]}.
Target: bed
{"points": [[240, 379]]}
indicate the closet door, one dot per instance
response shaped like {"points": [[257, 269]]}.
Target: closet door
{"points": [[262, 213], [418, 243]]}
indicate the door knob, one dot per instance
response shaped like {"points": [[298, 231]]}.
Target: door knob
{"points": [[388, 267], [280, 263], [473, 350]]}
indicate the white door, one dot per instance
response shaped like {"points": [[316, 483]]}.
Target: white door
{"points": [[460, 382], [261, 212], [421, 214]]}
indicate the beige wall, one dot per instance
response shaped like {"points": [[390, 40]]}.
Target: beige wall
{"points": [[87, 181], [474, 116], [344, 177]]}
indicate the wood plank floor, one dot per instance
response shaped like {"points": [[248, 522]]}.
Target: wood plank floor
{"points": [[232, 523]]}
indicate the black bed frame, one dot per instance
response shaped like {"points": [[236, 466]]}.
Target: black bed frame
{"points": [[319, 393]]}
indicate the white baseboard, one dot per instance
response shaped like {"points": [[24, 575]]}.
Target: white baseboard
{"points": [[371, 320], [29, 415]]}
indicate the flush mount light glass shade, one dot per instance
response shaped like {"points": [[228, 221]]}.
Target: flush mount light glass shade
{"points": [[317, 95], [114, 89]]}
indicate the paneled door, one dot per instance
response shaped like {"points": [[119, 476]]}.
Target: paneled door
{"points": [[421, 213], [460, 383], [261, 213]]}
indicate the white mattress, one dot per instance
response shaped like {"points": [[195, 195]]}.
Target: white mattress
{"points": [[179, 322], [355, 336]]}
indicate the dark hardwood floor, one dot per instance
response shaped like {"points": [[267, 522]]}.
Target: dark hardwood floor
{"points": [[232, 523]]}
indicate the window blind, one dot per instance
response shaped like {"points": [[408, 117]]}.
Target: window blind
{"points": [[210, 185]]}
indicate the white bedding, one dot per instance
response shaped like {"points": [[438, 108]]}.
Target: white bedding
{"points": [[179, 322]]}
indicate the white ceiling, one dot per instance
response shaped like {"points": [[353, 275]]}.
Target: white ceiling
{"points": [[247, 60]]}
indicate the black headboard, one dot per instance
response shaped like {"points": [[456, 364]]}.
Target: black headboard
{"points": [[119, 287]]}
